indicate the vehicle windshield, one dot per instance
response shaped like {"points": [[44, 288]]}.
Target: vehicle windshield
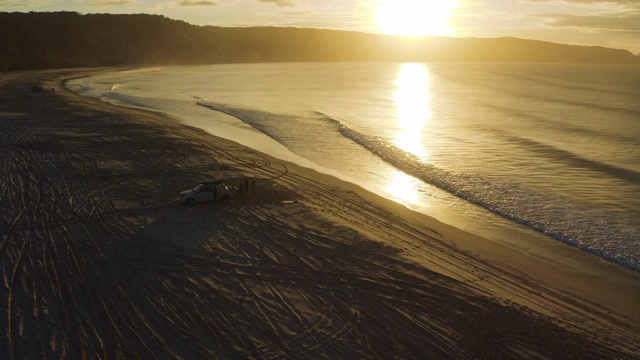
{"points": [[219, 183]]}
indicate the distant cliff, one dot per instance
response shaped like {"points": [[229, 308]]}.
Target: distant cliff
{"points": [[67, 39]]}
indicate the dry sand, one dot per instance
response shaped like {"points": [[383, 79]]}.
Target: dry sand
{"points": [[98, 260]]}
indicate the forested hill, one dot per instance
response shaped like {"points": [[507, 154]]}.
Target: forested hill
{"points": [[67, 39]]}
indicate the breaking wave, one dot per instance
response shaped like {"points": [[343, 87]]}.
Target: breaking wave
{"points": [[554, 216], [551, 215]]}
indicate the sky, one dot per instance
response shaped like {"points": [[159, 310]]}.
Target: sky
{"points": [[614, 24]]}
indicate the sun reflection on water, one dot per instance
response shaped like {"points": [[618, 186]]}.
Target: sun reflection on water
{"points": [[412, 100], [403, 187]]}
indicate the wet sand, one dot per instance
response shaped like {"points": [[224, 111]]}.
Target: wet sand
{"points": [[98, 259]]}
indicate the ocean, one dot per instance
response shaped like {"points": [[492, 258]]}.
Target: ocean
{"points": [[518, 153]]}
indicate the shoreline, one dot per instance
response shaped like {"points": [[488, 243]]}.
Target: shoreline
{"points": [[308, 254], [477, 215]]}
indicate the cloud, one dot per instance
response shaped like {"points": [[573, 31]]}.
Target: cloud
{"points": [[596, 5], [596, 15], [629, 21], [629, 3], [108, 3], [280, 3], [198, 3], [24, 3]]}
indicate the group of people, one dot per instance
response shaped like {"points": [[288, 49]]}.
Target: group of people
{"points": [[40, 88], [247, 186]]}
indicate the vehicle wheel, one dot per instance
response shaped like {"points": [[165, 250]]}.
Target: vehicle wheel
{"points": [[225, 198], [190, 201]]}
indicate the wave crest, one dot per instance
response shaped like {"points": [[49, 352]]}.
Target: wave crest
{"points": [[551, 215]]}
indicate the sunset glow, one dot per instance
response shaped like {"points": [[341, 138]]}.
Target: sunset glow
{"points": [[611, 24], [412, 99], [415, 17]]}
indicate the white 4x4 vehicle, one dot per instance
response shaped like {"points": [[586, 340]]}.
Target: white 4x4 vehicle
{"points": [[214, 190]]}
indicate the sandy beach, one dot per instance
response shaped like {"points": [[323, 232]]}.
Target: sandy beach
{"points": [[99, 260]]}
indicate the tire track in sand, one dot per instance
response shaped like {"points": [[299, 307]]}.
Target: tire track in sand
{"points": [[98, 262]]}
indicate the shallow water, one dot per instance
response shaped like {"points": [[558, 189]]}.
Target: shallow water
{"points": [[550, 149]]}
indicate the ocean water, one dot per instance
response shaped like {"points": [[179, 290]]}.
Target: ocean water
{"points": [[520, 153]]}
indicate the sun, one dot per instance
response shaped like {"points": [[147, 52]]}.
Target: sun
{"points": [[415, 17]]}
